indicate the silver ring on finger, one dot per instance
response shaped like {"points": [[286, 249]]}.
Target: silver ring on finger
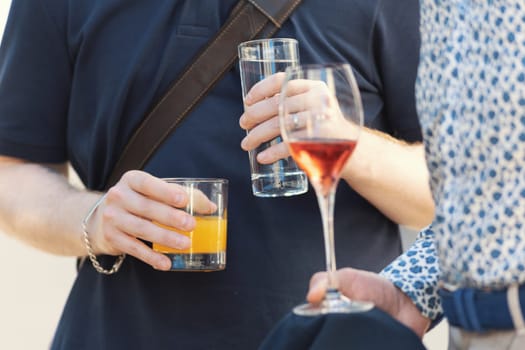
{"points": [[295, 121]]}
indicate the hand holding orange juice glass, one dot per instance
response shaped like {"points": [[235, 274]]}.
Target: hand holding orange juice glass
{"points": [[208, 200]]}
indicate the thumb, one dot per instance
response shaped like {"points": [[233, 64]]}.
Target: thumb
{"points": [[317, 290]]}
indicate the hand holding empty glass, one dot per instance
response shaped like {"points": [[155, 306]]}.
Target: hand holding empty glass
{"points": [[320, 118]]}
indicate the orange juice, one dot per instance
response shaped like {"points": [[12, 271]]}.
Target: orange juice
{"points": [[209, 236], [207, 202]]}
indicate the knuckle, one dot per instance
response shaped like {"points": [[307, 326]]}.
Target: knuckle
{"points": [[276, 99], [174, 240], [142, 226], [161, 236], [109, 214], [108, 237], [170, 219], [130, 175], [274, 124], [114, 194], [134, 179], [277, 80], [170, 237], [135, 250], [147, 209], [182, 242], [180, 197], [181, 222]]}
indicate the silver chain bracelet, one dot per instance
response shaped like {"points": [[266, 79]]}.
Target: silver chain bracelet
{"points": [[91, 254]]}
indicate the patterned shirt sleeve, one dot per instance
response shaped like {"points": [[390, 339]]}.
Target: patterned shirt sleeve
{"points": [[416, 273]]}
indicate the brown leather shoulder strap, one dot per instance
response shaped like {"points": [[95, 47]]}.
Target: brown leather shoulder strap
{"points": [[248, 20]]}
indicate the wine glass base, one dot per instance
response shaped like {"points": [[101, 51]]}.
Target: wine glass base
{"points": [[334, 303]]}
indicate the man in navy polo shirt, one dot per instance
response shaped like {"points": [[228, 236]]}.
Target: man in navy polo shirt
{"points": [[77, 77]]}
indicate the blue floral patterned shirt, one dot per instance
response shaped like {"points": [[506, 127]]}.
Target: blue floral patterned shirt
{"points": [[471, 102]]}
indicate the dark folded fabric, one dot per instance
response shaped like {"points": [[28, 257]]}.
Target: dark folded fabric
{"points": [[369, 330]]}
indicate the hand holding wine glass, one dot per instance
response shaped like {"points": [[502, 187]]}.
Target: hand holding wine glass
{"points": [[320, 116]]}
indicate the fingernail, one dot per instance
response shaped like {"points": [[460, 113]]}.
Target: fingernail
{"points": [[163, 265], [262, 157], [241, 121], [166, 264], [243, 145]]}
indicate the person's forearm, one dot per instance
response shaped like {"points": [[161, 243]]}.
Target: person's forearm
{"points": [[39, 206], [393, 176]]}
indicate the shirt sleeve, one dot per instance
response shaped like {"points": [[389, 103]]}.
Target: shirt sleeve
{"points": [[416, 273], [35, 81]]}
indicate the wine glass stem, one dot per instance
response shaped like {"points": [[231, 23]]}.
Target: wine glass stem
{"points": [[326, 201]]}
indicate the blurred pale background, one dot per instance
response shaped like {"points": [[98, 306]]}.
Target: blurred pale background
{"points": [[35, 285]]}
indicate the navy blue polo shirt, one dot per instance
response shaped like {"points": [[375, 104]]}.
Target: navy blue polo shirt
{"points": [[77, 76]]}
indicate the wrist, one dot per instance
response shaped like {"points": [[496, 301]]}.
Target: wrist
{"points": [[359, 170], [90, 248], [90, 224], [410, 315]]}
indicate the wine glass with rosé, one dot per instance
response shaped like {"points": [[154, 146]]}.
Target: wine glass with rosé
{"points": [[320, 116]]}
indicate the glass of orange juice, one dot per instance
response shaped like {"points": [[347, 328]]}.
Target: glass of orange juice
{"points": [[208, 201]]}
